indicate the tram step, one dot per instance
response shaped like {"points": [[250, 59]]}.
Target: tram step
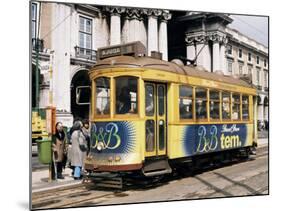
{"points": [[156, 167]]}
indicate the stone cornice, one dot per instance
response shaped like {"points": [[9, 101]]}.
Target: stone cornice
{"points": [[217, 37], [152, 12], [166, 15], [133, 13], [203, 37], [138, 13], [115, 10]]}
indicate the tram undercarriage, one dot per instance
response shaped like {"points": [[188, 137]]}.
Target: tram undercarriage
{"points": [[155, 169]]}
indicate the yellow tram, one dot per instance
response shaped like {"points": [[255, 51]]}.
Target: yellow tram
{"points": [[149, 115]]}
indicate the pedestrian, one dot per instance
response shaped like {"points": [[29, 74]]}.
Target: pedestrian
{"points": [[78, 150], [59, 149], [86, 133]]}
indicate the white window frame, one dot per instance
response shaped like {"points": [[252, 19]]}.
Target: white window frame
{"points": [[85, 32], [229, 62], [240, 57], [240, 69], [258, 60], [249, 57], [34, 20], [265, 62], [229, 48]]}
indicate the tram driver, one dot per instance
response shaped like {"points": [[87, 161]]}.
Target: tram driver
{"points": [[124, 101]]}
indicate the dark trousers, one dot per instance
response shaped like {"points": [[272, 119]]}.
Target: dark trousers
{"points": [[59, 169]]}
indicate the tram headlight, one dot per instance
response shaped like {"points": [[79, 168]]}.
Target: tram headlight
{"points": [[100, 146]]}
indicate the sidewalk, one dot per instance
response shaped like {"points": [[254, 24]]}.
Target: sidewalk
{"points": [[40, 180], [262, 142]]}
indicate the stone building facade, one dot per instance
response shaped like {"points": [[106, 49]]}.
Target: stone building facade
{"points": [[70, 35], [210, 43]]}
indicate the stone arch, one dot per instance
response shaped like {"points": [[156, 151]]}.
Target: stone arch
{"points": [[76, 69], [79, 77]]}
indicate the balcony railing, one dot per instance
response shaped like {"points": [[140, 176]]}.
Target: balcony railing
{"points": [[37, 43], [259, 87], [266, 89], [85, 53]]}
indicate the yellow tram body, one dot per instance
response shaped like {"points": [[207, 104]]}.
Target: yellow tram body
{"points": [[181, 137]]}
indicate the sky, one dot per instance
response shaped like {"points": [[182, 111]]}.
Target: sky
{"points": [[255, 27]]}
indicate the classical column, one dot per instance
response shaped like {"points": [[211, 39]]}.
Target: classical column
{"points": [[163, 36], [125, 30], [260, 113], [202, 52], [223, 56], [163, 45], [134, 29], [152, 29], [143, 32], [190, 48], [115, 24], [266, 112], [115, 31], [152, 34], [216, 56]]}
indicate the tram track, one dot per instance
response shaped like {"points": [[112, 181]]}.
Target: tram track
{"points": [[83, 194]]}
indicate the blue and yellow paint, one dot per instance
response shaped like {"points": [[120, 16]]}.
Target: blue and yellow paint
{"points": [[120, 143], [207, 138]]}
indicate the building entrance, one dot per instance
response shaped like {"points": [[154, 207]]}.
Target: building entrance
{"points": [[81, 78]]}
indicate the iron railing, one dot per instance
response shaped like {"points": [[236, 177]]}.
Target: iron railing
{"points": [[85, 53]]}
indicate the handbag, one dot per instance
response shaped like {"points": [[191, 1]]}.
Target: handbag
{"points": [[83, 147]]}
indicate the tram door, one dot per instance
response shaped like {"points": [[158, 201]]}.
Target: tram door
{"points": [[155, 121]]}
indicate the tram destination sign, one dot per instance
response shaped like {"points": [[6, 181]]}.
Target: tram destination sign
{"points": [[129, 49]]}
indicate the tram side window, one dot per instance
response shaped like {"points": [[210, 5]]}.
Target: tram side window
{"points": [[245, 107], [226, 105], [126, 95], [185, 102], [102, 95], [201, 103], [214, 104], [235, 106]]}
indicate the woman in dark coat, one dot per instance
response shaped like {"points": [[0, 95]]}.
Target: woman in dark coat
{"points": [[59, 149]]}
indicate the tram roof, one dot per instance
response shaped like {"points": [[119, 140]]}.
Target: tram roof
{"points": [[152, 63]]}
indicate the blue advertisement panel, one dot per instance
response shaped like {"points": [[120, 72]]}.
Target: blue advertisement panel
{"points": [[117, 137], [207, 138]]}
